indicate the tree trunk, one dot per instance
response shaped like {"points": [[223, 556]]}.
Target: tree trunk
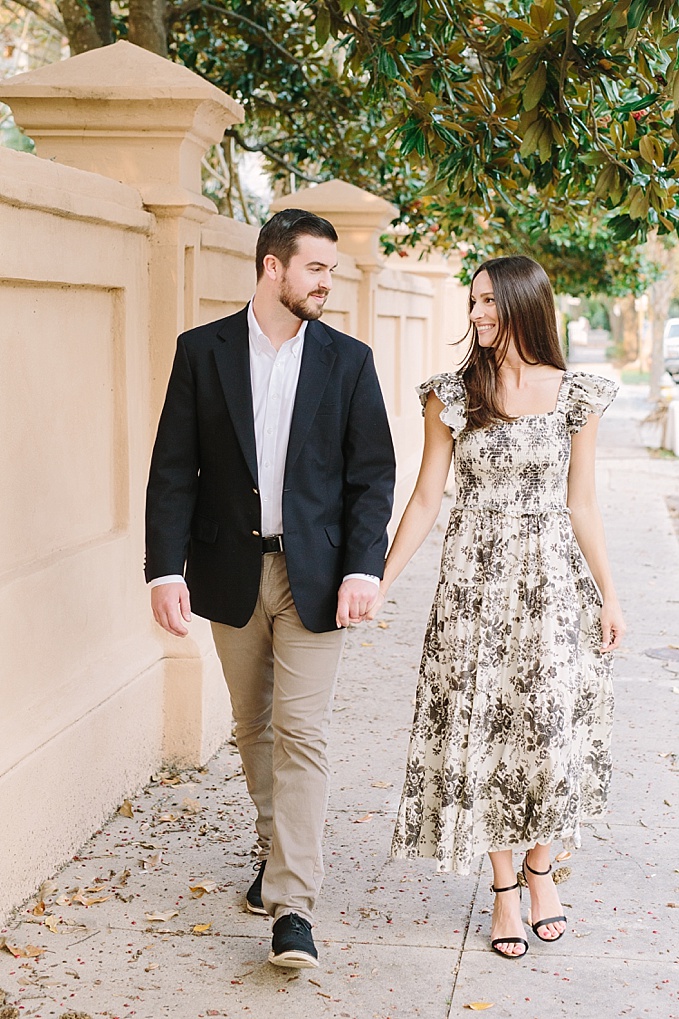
{"points": [[146, 25], [630, 328], [660, 297], [101, 11], [80, 26]]}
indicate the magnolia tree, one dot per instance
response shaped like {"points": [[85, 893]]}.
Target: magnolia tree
{"points": [[541, 125]]}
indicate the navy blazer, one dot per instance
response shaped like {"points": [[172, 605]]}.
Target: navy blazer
{"points": [[203, 513]]}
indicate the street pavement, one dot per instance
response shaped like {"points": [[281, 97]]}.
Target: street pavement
{"points": [[124, 936]]}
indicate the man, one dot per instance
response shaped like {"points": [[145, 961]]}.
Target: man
{"points": [[272, 482]]}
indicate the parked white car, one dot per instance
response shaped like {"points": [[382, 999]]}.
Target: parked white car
{"points": [[671, 347]]}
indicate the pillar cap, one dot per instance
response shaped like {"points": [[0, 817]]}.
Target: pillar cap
{"points": [[123, 112], [120, 71], [359, 217]]}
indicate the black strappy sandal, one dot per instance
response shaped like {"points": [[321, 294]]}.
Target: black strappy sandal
{"points": [[550, 919], [508, 941]]}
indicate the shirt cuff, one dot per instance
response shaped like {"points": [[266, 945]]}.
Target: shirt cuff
{"points": [[363, 576], [174, 578]]}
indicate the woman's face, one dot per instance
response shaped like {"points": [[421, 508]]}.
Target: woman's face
{"points": [[484, 312]]}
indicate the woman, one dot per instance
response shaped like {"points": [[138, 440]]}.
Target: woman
{"points": [[510, 747]]}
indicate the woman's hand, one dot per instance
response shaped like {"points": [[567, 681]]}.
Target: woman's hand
{"points": [[376, 606], [612, 625]]}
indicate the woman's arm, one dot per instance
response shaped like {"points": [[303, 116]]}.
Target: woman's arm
{"points": [[425, 502], [589, 530]]}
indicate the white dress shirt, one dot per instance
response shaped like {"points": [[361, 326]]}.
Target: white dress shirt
{"points": [[274, 375]]}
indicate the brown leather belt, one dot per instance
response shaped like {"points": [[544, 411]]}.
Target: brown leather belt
{"points": [[274, 543]]}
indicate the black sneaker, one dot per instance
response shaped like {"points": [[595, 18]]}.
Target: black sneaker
{"points": [[292, 944], [253, 899]]}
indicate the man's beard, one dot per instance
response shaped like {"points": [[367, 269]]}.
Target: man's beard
{"points": [[301, 307]]}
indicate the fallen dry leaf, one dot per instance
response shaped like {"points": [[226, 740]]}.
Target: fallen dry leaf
{"points": [[362, 820], [90, 900], [9, 1012], [382, 625], [167, 817], [364, 643], [39, 908], [153, 861], [382, 785], [673, 905], [126, 809], [46, 889], [52, 922], [565, 855], [19, 952], [63, 900], [151, 966], [479, 1006], [202, 888], [200, 928], [191, 806], [162, 917]]}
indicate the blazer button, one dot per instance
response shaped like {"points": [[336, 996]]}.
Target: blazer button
{"points": [[256, 534], [255, 491]]}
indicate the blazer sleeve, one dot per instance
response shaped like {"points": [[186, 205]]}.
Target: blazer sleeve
{"points": [[173, 477], [369, 476]]}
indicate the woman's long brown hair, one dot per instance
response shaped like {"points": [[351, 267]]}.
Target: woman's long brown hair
{"points": [[525, 310]]}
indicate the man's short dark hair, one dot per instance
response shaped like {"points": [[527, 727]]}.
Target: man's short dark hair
{"points": [[279, 236]]}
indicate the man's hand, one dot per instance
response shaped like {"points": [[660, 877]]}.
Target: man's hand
{"points": [[376, 606], [355, 598], [171, 604]]}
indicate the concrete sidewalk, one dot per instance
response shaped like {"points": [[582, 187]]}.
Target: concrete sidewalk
{"points": [[396, 941]]}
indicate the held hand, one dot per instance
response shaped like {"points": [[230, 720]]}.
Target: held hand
{"points": [[612, 626], [377, 605], [355, 598], [171, 604]]}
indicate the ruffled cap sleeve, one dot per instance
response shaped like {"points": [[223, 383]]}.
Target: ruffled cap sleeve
{"points": [[589, 394], [450, 390]]}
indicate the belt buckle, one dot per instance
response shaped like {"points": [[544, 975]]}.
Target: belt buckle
{"points": [[272, 543]]}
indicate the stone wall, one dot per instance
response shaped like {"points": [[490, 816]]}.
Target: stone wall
{"points": [[108, 251]]}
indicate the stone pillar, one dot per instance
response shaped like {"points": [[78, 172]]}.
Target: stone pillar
{"points": [[128, 114], [360, 219], [450, 320]]}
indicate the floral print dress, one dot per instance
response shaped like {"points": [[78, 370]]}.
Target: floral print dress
{"points": [[511, 737]]}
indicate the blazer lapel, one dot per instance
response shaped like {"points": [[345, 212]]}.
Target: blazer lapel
{"points": [[232, 355], [317, 361]]}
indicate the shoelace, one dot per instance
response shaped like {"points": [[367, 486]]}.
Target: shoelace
{"points": [[299, 924]]}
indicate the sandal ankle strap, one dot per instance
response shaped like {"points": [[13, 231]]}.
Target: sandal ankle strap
{"points": [[509, 888], [538, 873]]}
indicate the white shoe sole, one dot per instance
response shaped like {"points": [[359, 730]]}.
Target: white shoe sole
{"points": [[257, 910], [293, 959]]}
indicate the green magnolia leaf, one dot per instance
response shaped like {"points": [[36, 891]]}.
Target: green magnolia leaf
{"points": [[622, 228], [322, 26], [535, 87], [638, 104], [635, 15]]}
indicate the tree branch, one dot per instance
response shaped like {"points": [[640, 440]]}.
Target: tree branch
{"points": [[273, 156], [180, 11], [322, 104], [35, 8], [570, 32], [599, 143]]}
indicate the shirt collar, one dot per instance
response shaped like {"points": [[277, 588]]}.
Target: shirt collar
{"points": [[260, 342]]}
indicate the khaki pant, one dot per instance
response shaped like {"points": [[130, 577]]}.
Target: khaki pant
{"points": [[281, 680]]}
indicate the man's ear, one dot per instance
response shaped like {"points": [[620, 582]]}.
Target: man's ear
{"points": [[272, 266]]}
